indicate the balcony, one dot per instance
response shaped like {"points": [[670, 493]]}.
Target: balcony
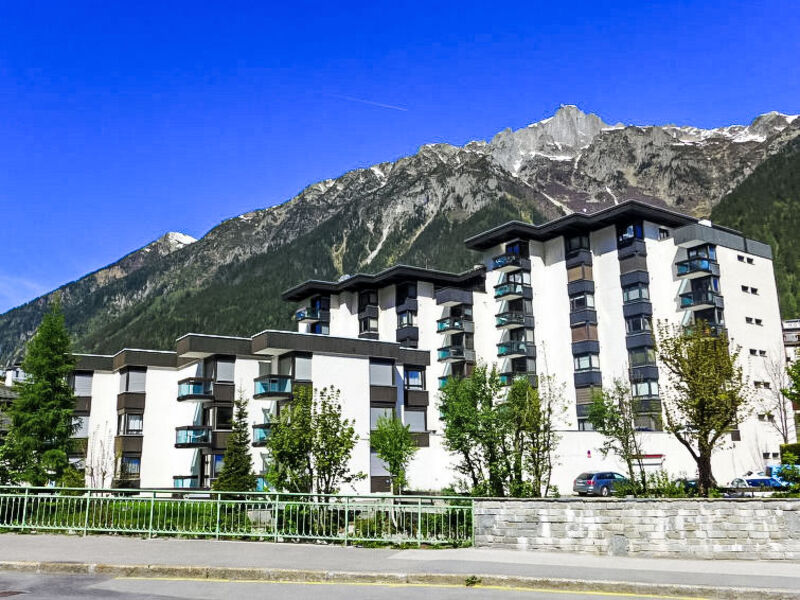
{"points": [[515, 349], [450, 296], [186, 482], [451, 354], [309, 314], [454, 325], [261, 433], [507, 379], [708, 329], [196, 388], [512, 291], [646, 404], [193, 437], [506, 263], [701, 299], [273, 387], [697, 267], [588, 378], [513, 320]]}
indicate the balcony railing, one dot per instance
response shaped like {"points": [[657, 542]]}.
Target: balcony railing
{"points": [[261, 432], [308, 314], [509, 290], [509, 378], [510, 262], [699, 298], [193, 437], [510, 320], [186, 482], [198, 388], [452, 324], [697, 265], [455, 354], [272, 386], [514, 348]]}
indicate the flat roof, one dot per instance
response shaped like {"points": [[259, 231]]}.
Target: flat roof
{"points": [[396, 274]]}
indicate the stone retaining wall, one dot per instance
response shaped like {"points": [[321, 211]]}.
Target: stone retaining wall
{"points": [[765, 529]]}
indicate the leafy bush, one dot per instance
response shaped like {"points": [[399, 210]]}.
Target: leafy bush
{"points": [[793, 450], [659, 485]]}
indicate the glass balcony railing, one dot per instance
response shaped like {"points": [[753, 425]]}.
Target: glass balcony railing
{"points": [[514, 348], [450, 324], [189, 482], [698, 298], [507, 262], [193, 436], [507, 379], [455, 353], [261, 433], [272, 385], [195, 387], [307, 314], [509, 289], [694, 265], [510, 319]]}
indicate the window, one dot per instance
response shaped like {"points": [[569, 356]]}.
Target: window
{"points": [[132, 380], [635, 325], [406, 319], [224, 418], [381, 372], [517, 248], [663, 233], [376, 412], [750, 261], [762, 352], [708, 251], [635, 292], [626, 234], [580, 302], [753, 352], [415, 378], [130, 466], [225, 370], [759, 322], [130, 424], [757, 384], [646, 388], [579, 273], [740, 257], [586, 362], [320, 328], [367, 298], [745, 289], [748, 320], [642, 357], [416, 419], [576, 243], [377, 468], [81, 424], [585, 425], [405, 291], [368, 325], [766, 384], [302, 367], [754, 291], [82, 383]]}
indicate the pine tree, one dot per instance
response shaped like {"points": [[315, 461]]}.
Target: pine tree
{"points": [[237, 466], [36, 450]]}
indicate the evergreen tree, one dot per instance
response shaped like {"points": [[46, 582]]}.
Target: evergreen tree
{"points": [[37, 446], [394, 445], [237, 466]]}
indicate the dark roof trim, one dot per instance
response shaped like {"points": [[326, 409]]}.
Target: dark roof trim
{"points": [[94, 362], [198, 345], [144, 358], [288, 341], [579, 223], [396, 274]]}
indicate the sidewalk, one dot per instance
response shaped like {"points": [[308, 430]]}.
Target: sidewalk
{"points": [[261, 560]]}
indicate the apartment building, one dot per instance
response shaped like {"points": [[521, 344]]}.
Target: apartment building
{"points": [[577, 299], [574, 300]]}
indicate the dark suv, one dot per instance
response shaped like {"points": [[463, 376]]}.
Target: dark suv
{"points": [[597, 483]]}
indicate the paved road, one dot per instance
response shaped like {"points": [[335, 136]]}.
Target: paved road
{"points": [[25, 586]]}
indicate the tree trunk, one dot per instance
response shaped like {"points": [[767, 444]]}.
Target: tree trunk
{"points": [[705, 477]]}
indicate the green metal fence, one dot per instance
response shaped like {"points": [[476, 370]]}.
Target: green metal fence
{"points": [[430, 520]]}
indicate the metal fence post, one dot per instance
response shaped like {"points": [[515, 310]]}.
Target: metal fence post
{"points": [[346, 518], [419, 522], [472, 519], [219, 506], [86, 516], [152, 510], [275, 518], [25, 508]]}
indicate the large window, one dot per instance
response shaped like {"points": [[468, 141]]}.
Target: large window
{"points": [[82, 383], [635, 293], [81, 424], [405, 291], [367, 298], [580, 302], [708, 251], [640, 324], [320, 328], [132, 380], [130, 424], [225, 369], [376, 412], [647, 388], [642, 357], [586, 362], [626, 234], [577, 242], [381, 372], [406, 319], [130, 466], [415, 378], [368, 325], [416, 420], [302, 367]]}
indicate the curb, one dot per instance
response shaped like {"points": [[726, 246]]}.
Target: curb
{"points": [[666, 590]]}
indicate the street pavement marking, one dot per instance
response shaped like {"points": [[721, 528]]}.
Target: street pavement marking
{"points": [[506, 588]]}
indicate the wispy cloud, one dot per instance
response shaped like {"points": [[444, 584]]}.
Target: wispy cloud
{"points": [[15, 291], [369, 102]]}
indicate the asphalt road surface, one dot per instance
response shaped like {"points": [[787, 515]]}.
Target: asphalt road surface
{"points": [[29, 586]]}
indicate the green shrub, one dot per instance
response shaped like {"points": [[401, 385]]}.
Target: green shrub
{"points": [[793, 449]]}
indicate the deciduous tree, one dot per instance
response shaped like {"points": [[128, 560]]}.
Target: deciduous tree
{"points": [[394, 445]]}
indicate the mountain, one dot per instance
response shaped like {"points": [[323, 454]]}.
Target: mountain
{"points": [[415, 210]]}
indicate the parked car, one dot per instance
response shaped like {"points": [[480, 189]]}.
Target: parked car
{"points": [[597, 483], [765, 483], [690, 486]]}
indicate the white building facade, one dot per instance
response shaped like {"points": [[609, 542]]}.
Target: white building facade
{"points": [[574, 300]]}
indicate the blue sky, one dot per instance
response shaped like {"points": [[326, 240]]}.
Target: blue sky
{"points": [[122, 121]]}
